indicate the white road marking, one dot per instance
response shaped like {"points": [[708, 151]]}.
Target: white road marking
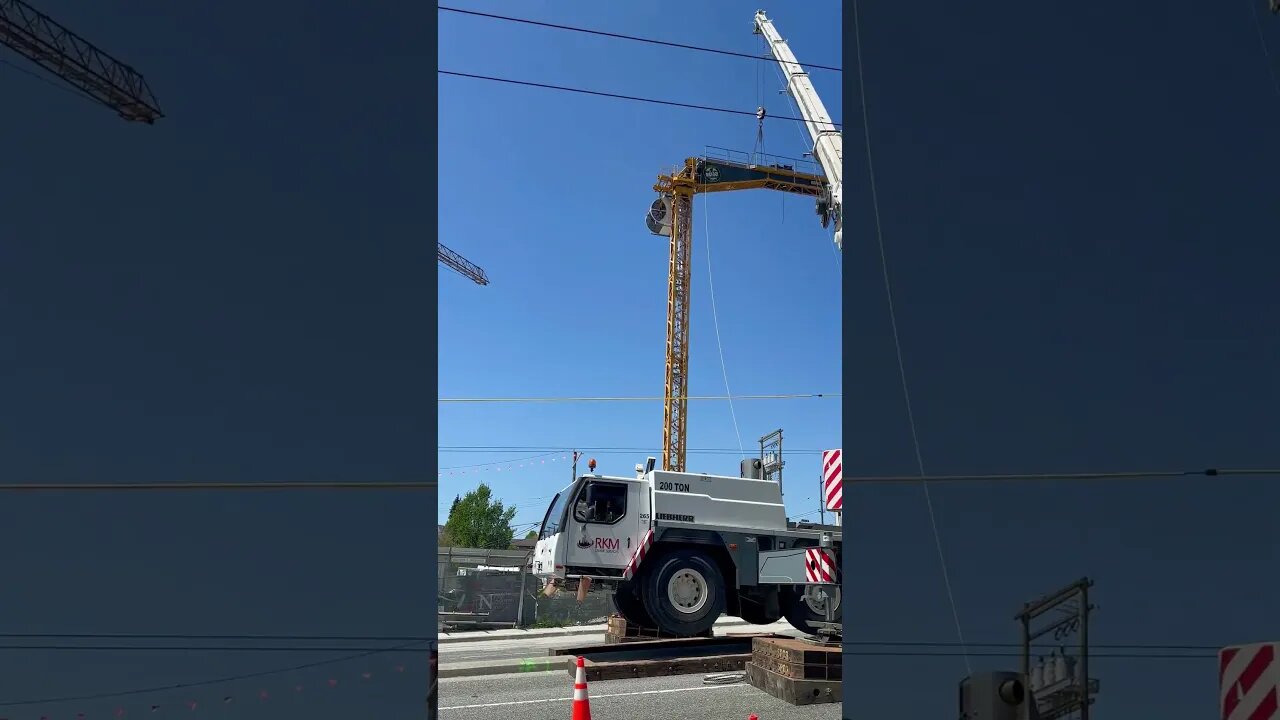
{"points": [[592, 697]]}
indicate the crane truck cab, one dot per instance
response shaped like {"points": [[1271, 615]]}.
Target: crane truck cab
{"points": [[678, 550]]}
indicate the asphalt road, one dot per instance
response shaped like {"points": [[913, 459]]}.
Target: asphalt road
{"points": [[548, 696]]}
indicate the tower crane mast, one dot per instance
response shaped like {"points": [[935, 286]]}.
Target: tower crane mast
{"points": [[828, 142], [80, 64], [460, 265], [672, 215]]}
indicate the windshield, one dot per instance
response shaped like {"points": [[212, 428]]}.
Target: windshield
{"points": [[555, 514]]}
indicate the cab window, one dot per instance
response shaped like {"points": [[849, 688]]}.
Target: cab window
{"points": [[601, 502], [555, 514]]}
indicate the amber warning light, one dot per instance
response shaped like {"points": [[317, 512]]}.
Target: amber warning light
{"points": [[591, 465]]}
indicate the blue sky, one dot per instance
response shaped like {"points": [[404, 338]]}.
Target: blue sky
{"points": [[229, 294], [547, 191]]}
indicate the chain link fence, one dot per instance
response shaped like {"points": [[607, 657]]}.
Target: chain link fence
{"points": [[481, 588]]}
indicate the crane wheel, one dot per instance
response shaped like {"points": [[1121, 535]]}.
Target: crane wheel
{"points": [[684, 592], [627, 603], [804, 606], [756, 613]]}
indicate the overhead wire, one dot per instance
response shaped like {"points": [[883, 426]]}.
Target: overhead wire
{"points": [[208, 682], [1135, 475], [1042, 477], [408, 642], [244, 637], [914, 649], [715, 316], [213, 486], [503, 462], [617, 36], [618, 96], [897, 343], [1266, 51], [51, 82], [595, 449], [645, 398], [202, 648]]}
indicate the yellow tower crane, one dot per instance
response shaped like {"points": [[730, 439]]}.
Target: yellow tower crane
{"points": [[671, 215]]}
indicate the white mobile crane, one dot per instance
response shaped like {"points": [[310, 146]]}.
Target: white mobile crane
{"points": [[679, 550]]}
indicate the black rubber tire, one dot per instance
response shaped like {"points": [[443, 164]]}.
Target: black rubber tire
{"points": [[627, 603], [755, 613], [654, 591], [799, 614]]}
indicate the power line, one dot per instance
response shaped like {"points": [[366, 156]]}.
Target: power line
{"points": [[208, 486], [601, 450], [1092, 655], [619, 36], [897, 344], [651, 398], [886, 479], [406, 641], [411, 639], [1266, 51], [1092, 646], [502, 462], [203, 648], [617, 96], [1142, 475], [204, 683], [48, 81]]}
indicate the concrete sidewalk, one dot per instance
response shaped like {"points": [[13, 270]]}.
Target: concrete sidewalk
{"points": [[518, 633]]}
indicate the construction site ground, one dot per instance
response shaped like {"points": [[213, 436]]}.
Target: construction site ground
{"points": [[548, 696], [496, 652], [505, 674]]}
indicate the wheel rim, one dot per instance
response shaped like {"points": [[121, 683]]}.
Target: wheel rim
{"points": [[687, 591], [815, 597]]}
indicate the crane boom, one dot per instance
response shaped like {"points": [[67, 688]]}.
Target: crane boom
{"points": [[828, 142], [77, 62], [460, 265]]}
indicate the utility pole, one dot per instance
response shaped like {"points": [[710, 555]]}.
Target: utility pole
{"points": [[1061, 685], [771, 456], [576, 455], [822, 499]]}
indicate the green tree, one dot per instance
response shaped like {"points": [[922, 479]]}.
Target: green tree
{"points": [[531, 535], [476, 520]]}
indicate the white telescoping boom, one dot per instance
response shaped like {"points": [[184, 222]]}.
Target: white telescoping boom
{"points": [[828, 142]]}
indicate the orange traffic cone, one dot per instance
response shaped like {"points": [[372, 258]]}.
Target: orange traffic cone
{"points": [[581, 706]]}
